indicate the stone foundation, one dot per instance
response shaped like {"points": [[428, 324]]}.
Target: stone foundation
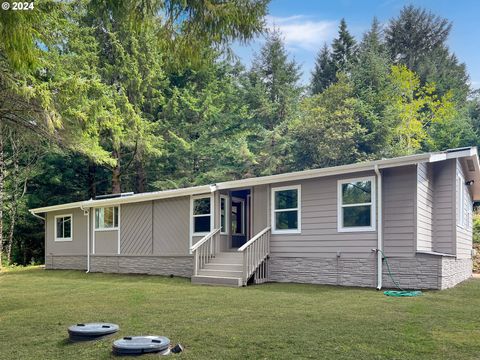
{"points": [[66, 262], [151, 265], [455, 271], [424, 271]]}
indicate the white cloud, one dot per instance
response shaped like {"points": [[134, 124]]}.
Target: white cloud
{"points": [[302, 32]]}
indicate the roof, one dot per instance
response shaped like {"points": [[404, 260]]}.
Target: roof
{"points": [[469, 152]]}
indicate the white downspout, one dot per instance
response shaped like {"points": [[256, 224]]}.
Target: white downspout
{"points": [[86, 212], [379, 228], [37, 216]]}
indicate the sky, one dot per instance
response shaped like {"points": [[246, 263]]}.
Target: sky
{"points": [[307, 24]]}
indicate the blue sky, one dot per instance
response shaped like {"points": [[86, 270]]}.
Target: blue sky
{"points": [[307, 24]]}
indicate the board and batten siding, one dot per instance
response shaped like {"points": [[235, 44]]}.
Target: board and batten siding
{"points": [[464, 232], [136, 229], [444, 174], [399, 211], [319, 237], [424, 207], [78, 245]]}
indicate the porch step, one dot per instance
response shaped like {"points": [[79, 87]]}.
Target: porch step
{"points": [[221, 273], [216, 280], [220, 266]]}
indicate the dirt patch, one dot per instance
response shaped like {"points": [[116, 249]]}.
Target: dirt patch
{"points": [[476, 259]]}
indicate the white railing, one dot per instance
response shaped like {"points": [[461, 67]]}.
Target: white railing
{"points": [[255, 252], [205, 250]]}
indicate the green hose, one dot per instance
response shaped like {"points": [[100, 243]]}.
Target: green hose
{"points": [[400, 292]]}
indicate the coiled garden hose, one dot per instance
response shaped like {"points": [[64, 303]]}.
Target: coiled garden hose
{"points": [[400, 292]]}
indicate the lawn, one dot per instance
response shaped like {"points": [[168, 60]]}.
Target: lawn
{"points": [[270, 321]]}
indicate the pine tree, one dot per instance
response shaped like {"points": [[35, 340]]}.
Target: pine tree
{"points": [[344, 48], [324, 73]]}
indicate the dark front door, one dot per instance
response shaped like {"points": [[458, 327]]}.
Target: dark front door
{"points": [[239, 217]]}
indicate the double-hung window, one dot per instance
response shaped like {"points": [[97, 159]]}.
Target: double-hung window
{"points": [[202, 215], [106, 218], [356, 204], [286, 217], [63, 228]]}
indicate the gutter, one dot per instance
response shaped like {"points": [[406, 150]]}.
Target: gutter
{"points": [[86, 212], [36, 215], [379, 249]]}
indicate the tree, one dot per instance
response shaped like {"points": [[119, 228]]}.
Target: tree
{"points": [[324, 72], [272, 94], [418, 39], [344, 48], [326, 131]]}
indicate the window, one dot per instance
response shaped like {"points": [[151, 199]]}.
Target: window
{"points": [[286, 210], [356, 204], [238, 220], [63, 228], [106, 218], [224, 215], [202, 215]]}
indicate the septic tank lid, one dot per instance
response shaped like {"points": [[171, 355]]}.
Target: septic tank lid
{"points": [[140, 344]]}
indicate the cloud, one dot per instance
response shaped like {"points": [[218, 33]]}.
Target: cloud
{"points": [[302, 32]]}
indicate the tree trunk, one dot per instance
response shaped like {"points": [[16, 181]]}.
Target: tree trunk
{"points": [[140, 176], [116, 174], [2, 173], [92, 178], [14, 206]]}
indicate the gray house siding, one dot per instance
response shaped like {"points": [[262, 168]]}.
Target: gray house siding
{"points": [[399, 213], [260, 210], [464, 231], [136, 229], [444, 207], [425, 196], [66, 254]]}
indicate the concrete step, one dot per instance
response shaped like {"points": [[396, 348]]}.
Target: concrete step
{"points": [[221, 273], [220, 266], [214, 280]]}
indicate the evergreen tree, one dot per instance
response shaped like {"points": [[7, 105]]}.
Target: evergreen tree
{"points": [[324, 73], [344, 48]]}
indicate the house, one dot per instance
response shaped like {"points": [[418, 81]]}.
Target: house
{"points": [[321, 226]]}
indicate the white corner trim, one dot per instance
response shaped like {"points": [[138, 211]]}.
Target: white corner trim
{"points": [[62, 239], [372, 205], [273, 190]]}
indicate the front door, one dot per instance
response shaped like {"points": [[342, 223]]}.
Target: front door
{"points": [[240, 217]]}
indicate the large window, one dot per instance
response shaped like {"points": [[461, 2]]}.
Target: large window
{"points": [[106, 218], [224, 214], [63, 228], [202, 215], [356, 204], [286, 209]]}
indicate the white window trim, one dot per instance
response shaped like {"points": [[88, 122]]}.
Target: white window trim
{"points": [[71, 228], [106, 229], [227, 213], [372, 205], [242, 201], [192, 224], [298, 209]]}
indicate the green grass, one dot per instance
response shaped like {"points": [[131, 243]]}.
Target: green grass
{"points": [[270, 321]]}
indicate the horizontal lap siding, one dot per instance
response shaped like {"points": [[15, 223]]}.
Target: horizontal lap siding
{"points": [[78, 245], [424, 207], [319, 236], [171, 226], [399, 199], [464, 233], [444, 206], [136, 236]]}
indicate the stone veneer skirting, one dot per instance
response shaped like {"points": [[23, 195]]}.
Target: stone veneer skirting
{"points": [[152, 265], [423, 271]]}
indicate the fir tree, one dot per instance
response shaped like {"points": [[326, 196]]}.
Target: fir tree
{"points": [[324, 73], [344, 48]]}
